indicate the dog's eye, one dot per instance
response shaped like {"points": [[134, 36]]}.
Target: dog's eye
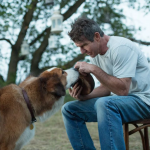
{"points": [[63, 72]]}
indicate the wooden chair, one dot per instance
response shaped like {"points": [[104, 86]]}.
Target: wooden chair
{"points": [[139, 125]]}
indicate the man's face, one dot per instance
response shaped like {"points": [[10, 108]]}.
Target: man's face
{"points": [[88, 47]]}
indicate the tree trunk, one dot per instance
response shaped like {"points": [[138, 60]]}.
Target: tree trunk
{"points": [[11, 77], [38, 53], [14, 59]]}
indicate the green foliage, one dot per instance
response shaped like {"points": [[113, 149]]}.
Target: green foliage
{"points": [[13, 15], [68, 98], [107, 12], [146, 7]]}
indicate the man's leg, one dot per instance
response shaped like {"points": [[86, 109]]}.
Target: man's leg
{"points": [[75, 114], [112, 112]]}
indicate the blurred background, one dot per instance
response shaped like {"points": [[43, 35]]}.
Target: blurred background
{"points": [[33, 33], [34, 37]]}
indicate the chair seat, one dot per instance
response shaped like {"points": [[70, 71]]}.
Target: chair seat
{"points": [[144, 121], [139, 125]]}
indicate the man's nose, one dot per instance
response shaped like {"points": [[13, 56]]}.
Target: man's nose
{"points": [[82, 50]]}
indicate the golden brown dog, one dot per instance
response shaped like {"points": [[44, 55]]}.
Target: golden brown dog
{"points": [[46, 96], [35, 98]]}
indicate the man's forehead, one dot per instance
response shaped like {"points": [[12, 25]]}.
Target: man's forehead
{"points": [[81, 43], [78, 44]]}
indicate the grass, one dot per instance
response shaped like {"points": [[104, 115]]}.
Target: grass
{"points": [[51, 135]]}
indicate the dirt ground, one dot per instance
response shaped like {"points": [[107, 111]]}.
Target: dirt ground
{"points": [[51, 135]]}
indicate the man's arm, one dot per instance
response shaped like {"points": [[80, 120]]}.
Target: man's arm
{"points": [[97, 92], [119, 86]]}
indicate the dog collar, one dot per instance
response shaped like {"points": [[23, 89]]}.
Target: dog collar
{"points": [[30, 107]]}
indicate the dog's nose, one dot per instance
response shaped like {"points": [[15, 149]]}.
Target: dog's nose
{"points": [[76, 69]]}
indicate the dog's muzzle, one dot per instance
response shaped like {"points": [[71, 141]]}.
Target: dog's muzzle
{"points": [[72, 77]]}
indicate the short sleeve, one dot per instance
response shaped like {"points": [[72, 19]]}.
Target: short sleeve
{"points": [[124, 62]]}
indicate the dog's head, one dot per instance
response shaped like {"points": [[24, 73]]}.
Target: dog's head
{"points": [[56, 80]]}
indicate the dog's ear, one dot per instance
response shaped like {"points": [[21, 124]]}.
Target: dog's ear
{"points": [[87, 83], [43, 83], [59, 90], [53, 85]]}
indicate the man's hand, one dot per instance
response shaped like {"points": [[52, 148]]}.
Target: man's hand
{"points": [[83, 67], [75, 92]]}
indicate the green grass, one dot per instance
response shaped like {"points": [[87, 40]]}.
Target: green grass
{"points": [[68, 97], [51, 135]]}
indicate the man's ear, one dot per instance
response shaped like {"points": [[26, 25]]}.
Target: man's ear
{"points": [[97, 36]]}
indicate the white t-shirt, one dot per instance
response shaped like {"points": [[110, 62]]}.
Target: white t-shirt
{"points": [[123, 59]]}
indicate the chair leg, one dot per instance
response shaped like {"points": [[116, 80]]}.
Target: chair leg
{"points": [[146, 138], [126, 135]]}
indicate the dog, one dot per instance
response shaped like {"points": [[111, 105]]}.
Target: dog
{"points": [[34, 98]]}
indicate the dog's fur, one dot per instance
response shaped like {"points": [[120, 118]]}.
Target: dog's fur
{"points": [[46, 94]]}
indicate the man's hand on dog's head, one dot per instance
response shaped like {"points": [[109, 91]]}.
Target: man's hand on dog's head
{"points": [[83, 68]]}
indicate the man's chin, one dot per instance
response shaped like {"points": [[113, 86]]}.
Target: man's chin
{"points": [[92, 56]]}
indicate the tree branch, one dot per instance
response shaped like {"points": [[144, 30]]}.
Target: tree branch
{"points": [[140, 42], [4, 39], [11, 76], [68, 65], [38, 53], [2, 82], [27, 19], [72, 9], [64, 3], [23, 57], [39, 36], [66, 15], [72, 63]]}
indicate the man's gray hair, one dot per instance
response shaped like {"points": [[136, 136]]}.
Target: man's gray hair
{"points": [[84, 28]]}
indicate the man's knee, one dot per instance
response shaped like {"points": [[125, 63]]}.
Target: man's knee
{"points": [[106, 103], [68, 108], [101, 103]]}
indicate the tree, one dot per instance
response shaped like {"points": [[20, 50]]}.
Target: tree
{"points": [[21, 20]]}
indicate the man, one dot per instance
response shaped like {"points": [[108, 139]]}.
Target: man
{"points": [[124, 92]]}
